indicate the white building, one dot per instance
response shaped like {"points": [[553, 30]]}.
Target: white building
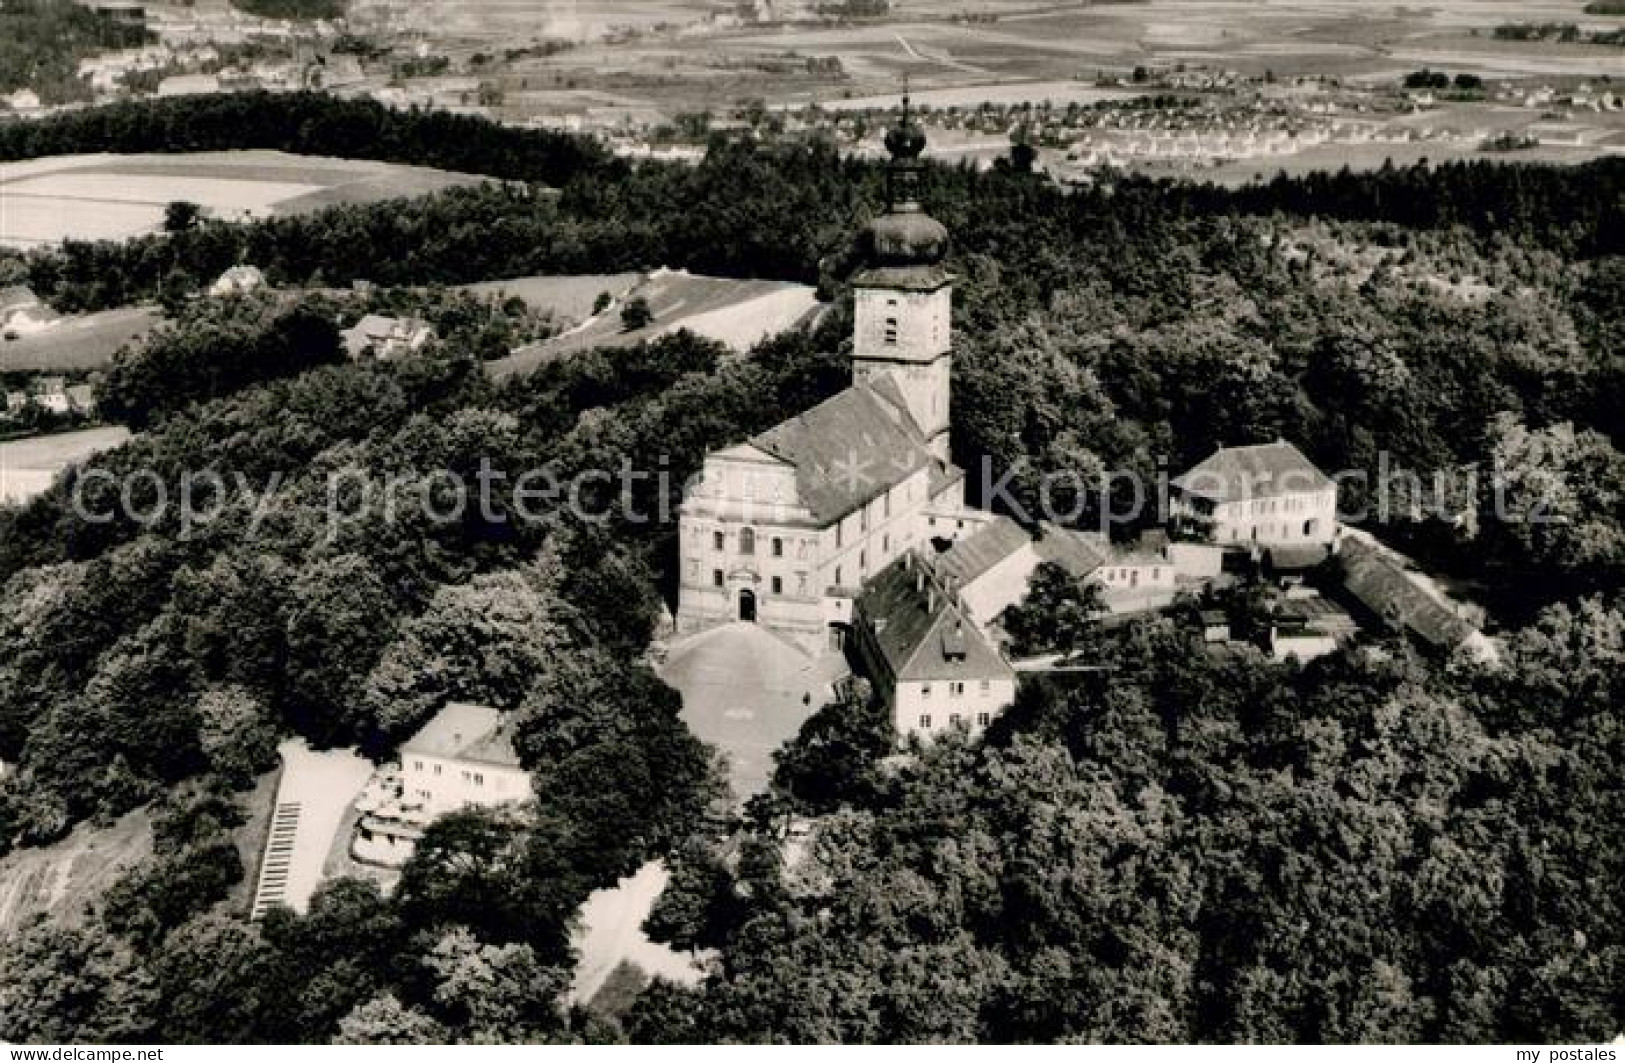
{"points": [[928, 657], [462, 757], [783, 528], [1257, 497], [386, 337], [236, 280]]}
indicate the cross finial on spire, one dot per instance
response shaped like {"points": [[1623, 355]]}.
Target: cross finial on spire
{"points": [[905, 97]]}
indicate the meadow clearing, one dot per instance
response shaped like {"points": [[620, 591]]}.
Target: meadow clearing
{"points": [[114, 197], [27, 466], [735, 313], [86, 341]]}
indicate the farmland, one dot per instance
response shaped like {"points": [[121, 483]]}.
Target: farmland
{"points": [[91, 197], [1005, 49], [735, 313], [88, 341], [27, 466]]}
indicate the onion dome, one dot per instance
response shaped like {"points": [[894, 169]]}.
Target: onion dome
{"points": [[907, 238], [905, 140], [905, 235]]}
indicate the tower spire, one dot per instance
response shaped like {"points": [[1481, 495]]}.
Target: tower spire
{"points": [[906, 142]]}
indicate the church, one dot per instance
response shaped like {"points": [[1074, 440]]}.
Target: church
{"points": [[786, 528]]}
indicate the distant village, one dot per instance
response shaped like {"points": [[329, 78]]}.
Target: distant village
{"points": [[1165, 115]]}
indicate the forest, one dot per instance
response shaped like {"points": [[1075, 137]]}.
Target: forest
{"points": [[42, 41], [1192, 846]]}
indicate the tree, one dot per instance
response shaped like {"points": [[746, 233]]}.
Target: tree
{"points": [[1058, 615], [834, 758], [181, 215], [497, 993], [384, 1020], [485, 641], [237, 736], [59, 985], [636, 314]]}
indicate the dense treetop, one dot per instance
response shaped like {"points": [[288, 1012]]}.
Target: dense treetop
{"points": [[1193, 845]]}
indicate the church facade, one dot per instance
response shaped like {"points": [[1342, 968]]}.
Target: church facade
{"points": [[785, 528]]}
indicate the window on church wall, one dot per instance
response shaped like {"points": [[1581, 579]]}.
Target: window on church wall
{"points": [[886, 503], [891, 331], [801, 583], [747, 541], [716, 577], [840, 533], [778, 547], [718, 540], [778, 585]]}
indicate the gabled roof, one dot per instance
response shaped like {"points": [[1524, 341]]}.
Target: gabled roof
{"points": [[847, 450], [1379, 582], [974, 556], [1269, 470], [924, 633], [462, 731], [1078, 552]]}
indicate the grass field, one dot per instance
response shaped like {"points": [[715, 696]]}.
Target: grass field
{"points": [[569, 299], [733, 312], [93, 197], [64, 879], [88, 341], [27, 466]]}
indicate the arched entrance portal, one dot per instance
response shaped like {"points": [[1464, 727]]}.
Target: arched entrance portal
{"points": [[747, 606]]}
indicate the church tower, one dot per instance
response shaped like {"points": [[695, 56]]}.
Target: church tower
{"points": [[903, 297]]}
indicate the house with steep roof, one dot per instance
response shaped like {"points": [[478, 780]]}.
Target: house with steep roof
{"points": [[463, 756], [993, 567], [382, 336], [782, 529], [1379, 583], [237, 280], [922, 648], [1257, 498]]}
